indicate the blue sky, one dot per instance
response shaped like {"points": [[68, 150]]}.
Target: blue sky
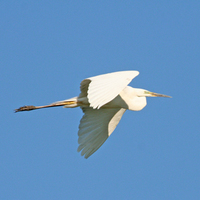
{"points": [[48, 47]]}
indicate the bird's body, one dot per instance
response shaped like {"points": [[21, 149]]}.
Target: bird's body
{"points": [[127, 99], [103, 99]]}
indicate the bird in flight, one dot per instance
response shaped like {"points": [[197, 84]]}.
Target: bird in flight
{"points": [[103, 100]]}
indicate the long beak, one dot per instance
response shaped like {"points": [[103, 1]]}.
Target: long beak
{"points": [[159, 95]]}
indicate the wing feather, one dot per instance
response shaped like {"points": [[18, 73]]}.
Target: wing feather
{"points": [[104, 88], [95, 127]]}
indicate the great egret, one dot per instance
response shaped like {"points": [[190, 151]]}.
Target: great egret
{"points": [[103, 99]]}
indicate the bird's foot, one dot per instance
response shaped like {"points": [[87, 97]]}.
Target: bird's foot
{"points": [[25, 108]]}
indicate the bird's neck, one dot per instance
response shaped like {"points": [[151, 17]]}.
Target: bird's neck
{"points": [[137, 103], [133, 101]]}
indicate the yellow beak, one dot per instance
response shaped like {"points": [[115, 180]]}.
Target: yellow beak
{"points": [[158, 95]]}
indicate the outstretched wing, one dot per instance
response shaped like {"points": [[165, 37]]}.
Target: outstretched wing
{"points": [[104, 88], [95, 127]]}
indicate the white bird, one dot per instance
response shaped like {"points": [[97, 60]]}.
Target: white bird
{"points": [[103, 99]]}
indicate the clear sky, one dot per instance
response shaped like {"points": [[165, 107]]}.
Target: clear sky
{"points": [[48, 47]]}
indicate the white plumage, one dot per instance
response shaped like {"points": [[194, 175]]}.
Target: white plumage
{"points": [[96, 126], [104, 88], [103, 99]]}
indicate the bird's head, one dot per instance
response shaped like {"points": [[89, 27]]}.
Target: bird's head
{"points": [[146, 93]]}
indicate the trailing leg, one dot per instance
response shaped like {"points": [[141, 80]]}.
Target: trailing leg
{"points": [[69, 103]]}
